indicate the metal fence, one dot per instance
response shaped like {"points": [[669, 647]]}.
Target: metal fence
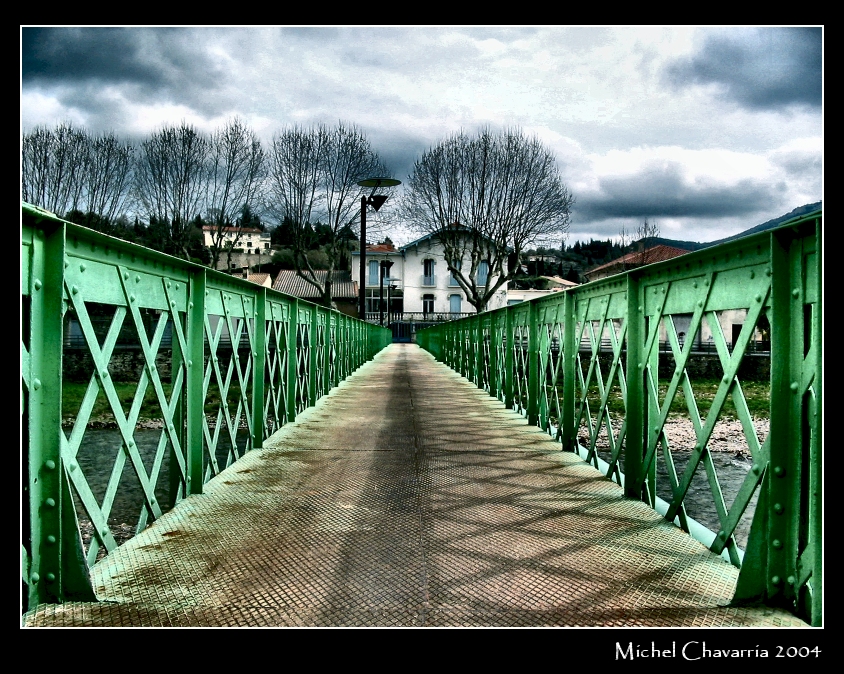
{"points": [[607, 401], [242, 361]]}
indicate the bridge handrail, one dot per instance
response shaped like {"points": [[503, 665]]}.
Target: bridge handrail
{"points": [[531, 356], [243, 360]]}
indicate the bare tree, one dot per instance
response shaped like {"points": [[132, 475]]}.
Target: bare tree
{"points": [[53, 165], [645, 235], [236, 170], [487, 198], [172, 179], [68, 170], [109, 176], [313, 179]]}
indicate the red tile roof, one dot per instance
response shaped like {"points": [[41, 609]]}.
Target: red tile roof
{"points": [[656, 254], [342, 285]]}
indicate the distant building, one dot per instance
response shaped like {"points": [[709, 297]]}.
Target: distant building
{"points": [[344, 290], [633, 260], [424, 288]]}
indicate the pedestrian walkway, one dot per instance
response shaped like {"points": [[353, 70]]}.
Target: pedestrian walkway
{"points": [[408, 497]]}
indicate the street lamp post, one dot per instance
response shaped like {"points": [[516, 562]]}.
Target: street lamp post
{"points": [[376, 201]]}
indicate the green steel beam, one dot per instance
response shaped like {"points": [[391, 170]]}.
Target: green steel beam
{"points": [[776, 272], [68, 266]]}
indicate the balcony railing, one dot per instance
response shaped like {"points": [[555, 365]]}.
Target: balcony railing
{"points": [[429, 280]]}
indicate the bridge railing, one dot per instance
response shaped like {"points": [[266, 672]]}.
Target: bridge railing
{"points": [[659, 435], [183, 370]]}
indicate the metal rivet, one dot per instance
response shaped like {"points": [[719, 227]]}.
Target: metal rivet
{"points": [[82, 267], [168, 284], [73, 465], [104, 533], [66, 264], [700, 303], [722, 534], [50, 577], [758, 298], [131, 443], [137, 279], [752, 274], [36, 384], [775, 580], [756, 469], [790, 580], [777, 543], [694, 285], [51, 539], [125, 275], [779, 471], [50, 503], [104, 374], [778, 509], [190, 362], [37, 284], [131, 298], [794, 386], [726, 380], [190, 305], [172, 303], [641, 308], [795, 293], [35, 577], [49, 464], [74, 290]]}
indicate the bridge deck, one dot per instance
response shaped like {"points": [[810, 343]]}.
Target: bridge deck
{"points": [[407, 497]]}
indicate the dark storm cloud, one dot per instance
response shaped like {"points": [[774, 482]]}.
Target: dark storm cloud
{"points": [[661, 191], [766, 68], [148, 64]]}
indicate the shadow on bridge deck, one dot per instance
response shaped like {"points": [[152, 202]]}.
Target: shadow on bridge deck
{"points": [[408, 497]]}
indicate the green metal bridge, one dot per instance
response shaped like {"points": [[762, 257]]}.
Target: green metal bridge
{"points": [[521, 468]]}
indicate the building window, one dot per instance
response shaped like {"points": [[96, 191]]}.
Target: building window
{"points": [[427, 304], [454, 304], [373, 273], [428, 273], [451, 280], [483, 273]]}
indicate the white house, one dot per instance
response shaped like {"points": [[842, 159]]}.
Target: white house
{"points": [[421, 281], [250, 239]]}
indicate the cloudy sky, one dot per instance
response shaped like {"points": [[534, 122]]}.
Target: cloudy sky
{"points": [[709, 131]]}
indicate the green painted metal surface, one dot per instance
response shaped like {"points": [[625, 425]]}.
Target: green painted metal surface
{"points": [[610, 363], [223, 364]]}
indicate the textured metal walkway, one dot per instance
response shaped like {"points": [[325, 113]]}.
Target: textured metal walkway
{"points": [[408, 497]]}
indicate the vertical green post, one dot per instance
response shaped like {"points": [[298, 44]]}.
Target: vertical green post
{"points": [[634, 448], [57, 571], [570, 346], [816, 458], [292, 306], [313, 361], [509, 355], [651, 413], [259, 366], [478, 341], [177, 361], [543, 356], [533, 366], [491, 322], [195, 393]]}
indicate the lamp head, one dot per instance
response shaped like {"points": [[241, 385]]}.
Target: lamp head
{"points": [[376, 201]]}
